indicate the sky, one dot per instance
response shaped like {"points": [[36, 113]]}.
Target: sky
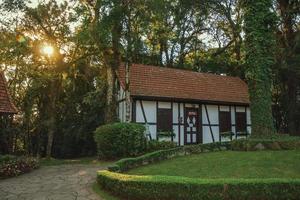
{"points": [[35, 2]]}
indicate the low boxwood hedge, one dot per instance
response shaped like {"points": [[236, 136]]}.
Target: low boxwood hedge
{"points": [[253, 144], [155, 145], [173, 188], [13, 166]]}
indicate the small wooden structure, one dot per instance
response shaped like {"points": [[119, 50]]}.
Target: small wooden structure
{"points": [[6, 105], [184, 106]]}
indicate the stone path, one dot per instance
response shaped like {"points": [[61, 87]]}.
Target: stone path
{"points": [[64, 182]]}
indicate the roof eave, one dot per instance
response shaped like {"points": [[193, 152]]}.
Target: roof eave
{"points": [[185, 100], [8, 113]]}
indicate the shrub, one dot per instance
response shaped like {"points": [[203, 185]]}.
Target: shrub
{"points": [[274, 143], [120, 140], [13, 166], [154, 145], [273, 137], [172, 187], [6, 158]]}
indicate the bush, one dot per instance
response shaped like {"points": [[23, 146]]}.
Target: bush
{"points": [[6, 158], [172, 187], [120, 140], [154, 145], [274, 143], [273, 137], [13, 166]]}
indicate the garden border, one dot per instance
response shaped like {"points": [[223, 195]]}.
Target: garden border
{"points": [[11, 166], [178, 188], [163, 187]]}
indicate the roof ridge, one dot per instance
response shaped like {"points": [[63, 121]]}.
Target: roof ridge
{"points": [[187, 70]]}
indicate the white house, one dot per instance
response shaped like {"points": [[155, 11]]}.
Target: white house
{"points": [[184, 106]]}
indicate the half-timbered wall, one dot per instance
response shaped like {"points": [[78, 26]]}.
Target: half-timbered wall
{"points": [[145, 112], [121, 104]]}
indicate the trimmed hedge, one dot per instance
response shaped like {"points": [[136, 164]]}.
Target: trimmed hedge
{"points": [[173, 188], [120, 140], [13, 166], [253, 144], [155, 145]]}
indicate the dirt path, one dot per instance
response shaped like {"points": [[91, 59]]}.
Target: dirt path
{"points": [[63, 182]]}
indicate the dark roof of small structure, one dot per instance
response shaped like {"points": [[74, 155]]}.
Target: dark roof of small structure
{"points": [[6, 104]]}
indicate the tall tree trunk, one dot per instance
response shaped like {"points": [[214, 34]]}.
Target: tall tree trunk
{"points": [[112, 65], [127, 92], [128, 62], [259, 43], [181, 54], [288, 42], [292, 103], [110, 114], [161, 50], [51, 110]]}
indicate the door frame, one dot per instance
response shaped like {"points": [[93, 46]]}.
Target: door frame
{"points": [[198, 125]]}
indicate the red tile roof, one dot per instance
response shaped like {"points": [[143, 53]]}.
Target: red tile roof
{"points": [[162, 82], [6, 105]]}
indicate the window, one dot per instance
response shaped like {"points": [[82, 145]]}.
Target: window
{"points": [[164, 120], [225, 121], [241, 125]]}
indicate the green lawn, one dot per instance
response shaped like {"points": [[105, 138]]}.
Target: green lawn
{"points": [[229, 164]]}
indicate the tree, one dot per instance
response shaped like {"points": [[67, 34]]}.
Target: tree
{"points": [[42, 84], [259, 24], [287, 71], [105, 29]]}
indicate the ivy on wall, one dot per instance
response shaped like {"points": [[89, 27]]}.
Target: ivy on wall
{"points": [[259, 26]]}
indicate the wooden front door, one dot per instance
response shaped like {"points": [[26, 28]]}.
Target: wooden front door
{"points": [[191, 128]]}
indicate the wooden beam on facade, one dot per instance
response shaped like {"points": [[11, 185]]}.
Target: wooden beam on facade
{"points": [[179, 124], [143, 111], [208, 120]]}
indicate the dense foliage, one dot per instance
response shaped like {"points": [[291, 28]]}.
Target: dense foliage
{"points": [[172, 187], [120, 140], [13, 166]]}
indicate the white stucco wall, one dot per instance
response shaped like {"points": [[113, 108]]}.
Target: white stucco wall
{"points": [[213, 115], [121, 104]]}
